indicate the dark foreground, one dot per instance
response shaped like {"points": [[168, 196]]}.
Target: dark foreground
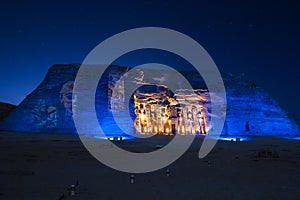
{"points": [[43, 166]]}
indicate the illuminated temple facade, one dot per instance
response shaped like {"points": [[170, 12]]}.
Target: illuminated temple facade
{"points": [[164, 114], [153, 108]]}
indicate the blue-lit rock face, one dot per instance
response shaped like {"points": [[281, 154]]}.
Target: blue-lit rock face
{"points": [[250, 110], [43, 109]]}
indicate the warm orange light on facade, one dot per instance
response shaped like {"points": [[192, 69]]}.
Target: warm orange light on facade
{"points": [[154, 117]]}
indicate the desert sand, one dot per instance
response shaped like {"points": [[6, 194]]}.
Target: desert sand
{"points": [[43, 166]]}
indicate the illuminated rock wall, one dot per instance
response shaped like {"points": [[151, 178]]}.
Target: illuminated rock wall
{"points": [[47, 108], [251, 111]]}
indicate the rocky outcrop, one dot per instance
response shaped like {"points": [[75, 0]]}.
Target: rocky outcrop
{"points": [[250, 110], [5, 109], [43, 109]]}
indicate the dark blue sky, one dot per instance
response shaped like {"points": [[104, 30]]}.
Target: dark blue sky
{"points": [[258, 38]]}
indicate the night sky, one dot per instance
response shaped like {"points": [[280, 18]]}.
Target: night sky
{"points": [[257, 38]]}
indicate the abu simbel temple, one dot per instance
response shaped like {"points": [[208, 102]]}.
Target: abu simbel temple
{"points": [[153, 108]]}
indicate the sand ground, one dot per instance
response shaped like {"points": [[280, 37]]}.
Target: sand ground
{"points": [[43, 166]]}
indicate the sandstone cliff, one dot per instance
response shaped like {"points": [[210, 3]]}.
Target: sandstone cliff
{"points": [[250, 110], [5, 109]]}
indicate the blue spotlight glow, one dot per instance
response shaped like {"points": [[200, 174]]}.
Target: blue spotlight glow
{"points": [[114, 138], [231, 138], [291, 137]]}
